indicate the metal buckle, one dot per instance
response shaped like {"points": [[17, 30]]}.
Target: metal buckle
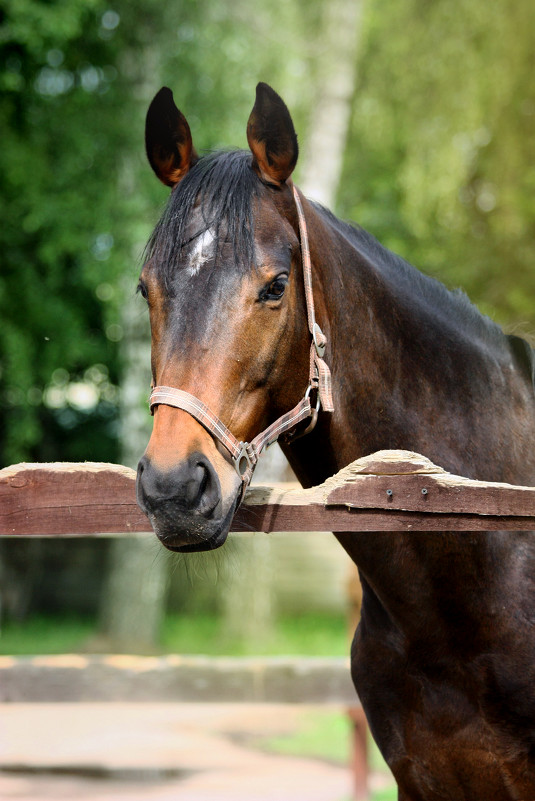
{"points": [[307, 395], [292, 436], [320, 346], [242, 462]]}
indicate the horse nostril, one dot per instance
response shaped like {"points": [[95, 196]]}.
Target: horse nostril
{"points": [[192, 486], [204, 478], [195, 486]]}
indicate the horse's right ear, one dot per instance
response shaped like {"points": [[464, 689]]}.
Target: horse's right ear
{"points": [[168, 139], [271, 137]]}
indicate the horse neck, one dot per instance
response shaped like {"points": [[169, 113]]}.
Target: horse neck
{"points": [[413, 366]]}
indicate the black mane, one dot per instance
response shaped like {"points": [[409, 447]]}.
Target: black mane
{"points": [[225, 186], [454, 304]]}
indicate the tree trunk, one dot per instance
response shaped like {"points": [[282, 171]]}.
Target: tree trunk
{"points": [[134, 595], [320, 173], [323, 152]]}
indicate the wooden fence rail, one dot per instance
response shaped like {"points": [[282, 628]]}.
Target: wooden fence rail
{"points": [[390, 490]]}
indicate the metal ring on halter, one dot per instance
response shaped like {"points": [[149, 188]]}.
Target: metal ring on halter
{"points": [[242, 456], [307, 395], [313, 417]]}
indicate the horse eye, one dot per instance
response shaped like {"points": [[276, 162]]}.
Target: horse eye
{"points": [[275, 290], [142, 289]]}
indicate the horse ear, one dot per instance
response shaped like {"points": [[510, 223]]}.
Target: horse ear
{"points": [[271, 137], [168, 139]]}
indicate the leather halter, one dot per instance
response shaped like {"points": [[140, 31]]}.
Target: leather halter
{"points": [[245, 455]]}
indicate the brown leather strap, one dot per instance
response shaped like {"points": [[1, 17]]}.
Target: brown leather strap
{"points": [[180, 399], [245, 455], [320, 375]]}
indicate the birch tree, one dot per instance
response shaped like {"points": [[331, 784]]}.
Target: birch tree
{"points": [[335, 72]]}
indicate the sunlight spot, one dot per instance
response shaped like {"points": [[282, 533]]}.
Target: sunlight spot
{"points": [[110, 20], [114, 332], [81, 395], [486, 199]]}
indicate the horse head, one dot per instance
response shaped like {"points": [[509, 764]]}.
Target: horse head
{"points": [[228, 315]]}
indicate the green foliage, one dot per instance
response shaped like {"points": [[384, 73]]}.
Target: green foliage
{"points": [[55, 167], [439, 164], [45, 635], [306, 635]]}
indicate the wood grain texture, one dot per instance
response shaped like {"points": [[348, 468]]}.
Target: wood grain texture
{"points": [[64, 498], [389, 490]]}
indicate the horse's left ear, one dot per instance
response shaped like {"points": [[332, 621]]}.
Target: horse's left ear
{"points": [[271, 137], [168, 139]]}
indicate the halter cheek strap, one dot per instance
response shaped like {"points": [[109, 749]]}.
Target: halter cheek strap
{"points": [[245, 455], [320, 375]]}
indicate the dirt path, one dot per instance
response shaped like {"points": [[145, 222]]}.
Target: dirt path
{"points": [[140, 752]]}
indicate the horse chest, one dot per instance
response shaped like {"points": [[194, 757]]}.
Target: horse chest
{"points": [[452, 717]]}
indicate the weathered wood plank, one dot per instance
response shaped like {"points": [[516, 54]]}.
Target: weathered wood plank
{"points": [[346, 519], [434, 493], [176, 678], [390, 490], [64, 498]]}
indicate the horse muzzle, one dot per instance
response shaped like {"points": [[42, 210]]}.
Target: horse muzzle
{"points": [[185, 504]]}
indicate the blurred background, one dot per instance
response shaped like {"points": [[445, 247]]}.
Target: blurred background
{"points": [[416, 119]]}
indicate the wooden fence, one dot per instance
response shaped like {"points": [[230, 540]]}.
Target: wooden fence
{"points": [[387, 491]]}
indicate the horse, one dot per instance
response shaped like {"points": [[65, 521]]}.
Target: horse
{"points": [[269, 315]]}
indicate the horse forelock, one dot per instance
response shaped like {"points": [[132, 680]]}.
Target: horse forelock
{"points": [[219, 193]]}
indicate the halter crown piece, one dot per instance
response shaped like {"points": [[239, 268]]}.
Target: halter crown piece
{"points": [[245, 455]]}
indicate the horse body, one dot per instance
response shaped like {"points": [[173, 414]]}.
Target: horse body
{"points": [[444, 656]]}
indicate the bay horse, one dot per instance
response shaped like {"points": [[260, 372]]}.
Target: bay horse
{"points": [[269, 314]]}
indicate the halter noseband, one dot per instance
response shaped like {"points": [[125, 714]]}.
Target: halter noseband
{"points": [[245, 455]]}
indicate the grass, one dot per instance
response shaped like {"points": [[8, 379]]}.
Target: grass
{"points": [[45, 635], [307, 635], [321, 735]]}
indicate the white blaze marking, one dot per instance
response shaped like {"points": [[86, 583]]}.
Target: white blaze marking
{"points": [[202, 251]]}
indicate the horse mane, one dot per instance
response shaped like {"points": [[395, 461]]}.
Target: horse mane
{"points": [[524, 353], [223, 184], [451, 304]]}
